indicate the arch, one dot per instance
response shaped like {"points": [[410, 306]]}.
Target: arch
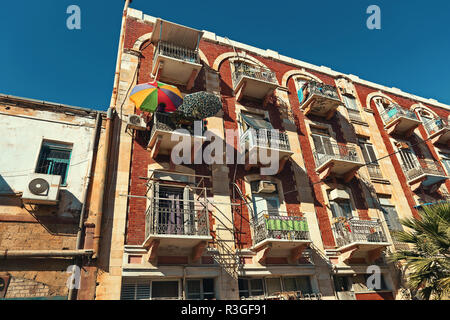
{"points": [[419, 108], [377, 94], [298, 73], [242, 55], [146, 37]]}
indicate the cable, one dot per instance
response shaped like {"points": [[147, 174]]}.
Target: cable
{"points": [[33, 169]]}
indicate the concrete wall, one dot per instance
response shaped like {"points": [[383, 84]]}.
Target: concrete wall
{"points": [[24, 124]]}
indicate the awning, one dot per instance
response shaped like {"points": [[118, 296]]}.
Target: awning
{"points": [[257, 123], [176, 34], [430, 204]]}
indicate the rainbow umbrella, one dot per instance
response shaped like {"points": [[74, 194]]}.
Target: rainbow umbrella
{"points": [[156, 96]]}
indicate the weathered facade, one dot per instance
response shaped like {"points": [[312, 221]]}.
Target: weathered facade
{"points": [[48, 168], [354, 157]]}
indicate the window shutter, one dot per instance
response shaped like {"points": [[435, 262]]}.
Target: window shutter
{"points": [[371, 152], [318, 144], [336, 209]]}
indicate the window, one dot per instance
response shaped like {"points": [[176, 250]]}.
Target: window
{"points": [[255, 121], [200, 289], [360, 283], [390, 214], [141, 289], [250, 287], [370, 158], [302, 284], [165, 290], [341, 283], [322, 140], [341, 208], [350, 103], [408, 158], [54, 159], [268, 203], [273, 286]]}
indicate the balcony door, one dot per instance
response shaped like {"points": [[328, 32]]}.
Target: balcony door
{"points": [[323, 146], [264, 203], [408, 158], [173, 210]]}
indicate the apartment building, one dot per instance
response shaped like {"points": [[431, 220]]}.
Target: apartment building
{"points": [[50, 175], [353, 158]]}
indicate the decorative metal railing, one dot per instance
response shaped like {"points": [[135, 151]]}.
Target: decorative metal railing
{"points": [[271, 226], [316, 88], [176, 217], [265, 138], [347, 231], [394, 111], [165, 122], [334, 151], [243, 69], [423, 166], [435, 125], [170, 50]]}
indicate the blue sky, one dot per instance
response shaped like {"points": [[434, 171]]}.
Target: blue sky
{"points": [[41, 59]]}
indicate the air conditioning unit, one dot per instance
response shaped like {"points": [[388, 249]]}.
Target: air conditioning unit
{"points": [[339, 194], [136, 122], [41, 189], [266, 187]]}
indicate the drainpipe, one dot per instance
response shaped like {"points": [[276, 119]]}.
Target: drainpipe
{"points": [[112, 108], [98, 211], [119, 55], [11, 254], [94, 144]]}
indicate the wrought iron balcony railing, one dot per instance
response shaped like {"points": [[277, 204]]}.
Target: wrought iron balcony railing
{"points": [[243, 69], [271, 226], [435, 125], [164, 122], [176, 217], [170, 50], [394, 111], [265, 138], [423, 167], [316, 88], [334, 151], [348, 231]]}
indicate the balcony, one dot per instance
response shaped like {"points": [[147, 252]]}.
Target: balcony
{"points": [[337, 160], [163, 136], [176, 64], [280, 235], [425, 173], [400, 121], [253, 81], [264, 142], [320, 99], [438, 131], [176, 227], [357, 238]]}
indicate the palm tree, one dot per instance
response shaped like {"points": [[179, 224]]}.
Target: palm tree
{"points": [[428, 262]]}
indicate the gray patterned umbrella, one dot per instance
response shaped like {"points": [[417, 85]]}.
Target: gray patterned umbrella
{"points": [[200, 105]]}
